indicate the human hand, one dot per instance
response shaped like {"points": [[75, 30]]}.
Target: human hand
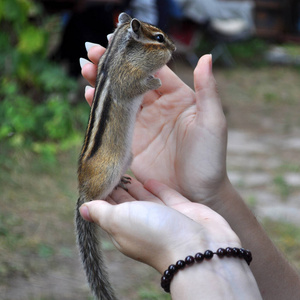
{"points": [[180, 136], [161, 227]]}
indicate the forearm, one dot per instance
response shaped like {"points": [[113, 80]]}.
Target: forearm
{"points": [[275, 277]]}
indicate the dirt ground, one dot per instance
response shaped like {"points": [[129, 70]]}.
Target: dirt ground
{"points": [[262, 108]]}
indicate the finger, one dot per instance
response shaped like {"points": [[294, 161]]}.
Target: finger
{"points": [[89, 94], [110, 200], [169, 80], [150, 97], [167, 195], [138, 191], [89, 72], [119, 195], [95, 52]]}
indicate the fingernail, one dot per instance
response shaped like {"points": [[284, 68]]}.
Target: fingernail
{"points": [[210, 62], [83, 62], [109, 36], [89, 45], [84, 211], [87, 88]]}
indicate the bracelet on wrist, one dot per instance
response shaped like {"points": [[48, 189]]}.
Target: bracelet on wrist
{"points": [[198, 258]]}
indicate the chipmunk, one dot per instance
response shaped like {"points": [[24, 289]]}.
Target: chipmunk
{"points": [[125, 72]]}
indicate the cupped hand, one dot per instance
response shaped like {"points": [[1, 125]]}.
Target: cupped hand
{"points": [[157, 225], [180, 136]]}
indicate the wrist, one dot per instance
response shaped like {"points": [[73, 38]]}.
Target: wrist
{"points": [[213, 237], [223, 196], [211, 194], [218, 278]]}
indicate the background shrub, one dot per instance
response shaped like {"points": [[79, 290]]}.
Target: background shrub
{"points": [[35, 111]]}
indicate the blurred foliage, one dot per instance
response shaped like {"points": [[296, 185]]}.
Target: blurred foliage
{"points": [[246, 53], [34, 108], [249, 52]]}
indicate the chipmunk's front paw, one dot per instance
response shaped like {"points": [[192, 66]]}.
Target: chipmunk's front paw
{"points": [[122, 184], [153, 83]]}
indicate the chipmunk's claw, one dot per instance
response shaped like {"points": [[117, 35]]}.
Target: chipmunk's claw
{"points": [[122, 184], [125, 179]]}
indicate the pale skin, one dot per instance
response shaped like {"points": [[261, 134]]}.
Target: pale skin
{"points": [[180, 140], [171, 227]]}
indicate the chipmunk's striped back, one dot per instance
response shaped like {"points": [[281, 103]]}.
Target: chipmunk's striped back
{"points": [[135, 52], [102, 100]]}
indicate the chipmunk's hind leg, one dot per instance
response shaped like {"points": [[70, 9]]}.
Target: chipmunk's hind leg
{"points": [[125, 179]]}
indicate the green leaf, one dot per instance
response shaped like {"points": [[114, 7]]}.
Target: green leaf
{"points": [[31, 40], [13, 11], [8, 87]]}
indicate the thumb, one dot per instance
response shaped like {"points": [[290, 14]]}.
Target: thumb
{"points": [[97, 211], [208, 103], [208, 99], [100, 212]]}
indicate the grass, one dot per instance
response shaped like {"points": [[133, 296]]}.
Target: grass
{"points": [[37, 200], [152, 293], [283, 188], [256, 97], [292, 49], [247, 53], [286, 236]]}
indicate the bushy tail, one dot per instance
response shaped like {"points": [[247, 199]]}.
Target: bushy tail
{"points": [[91, 256]]}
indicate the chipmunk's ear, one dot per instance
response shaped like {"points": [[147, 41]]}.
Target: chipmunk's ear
{"points": [[135, 26], [124, 18]]}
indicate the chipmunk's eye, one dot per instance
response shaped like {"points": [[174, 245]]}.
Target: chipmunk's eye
{"points": [[159, 37]]}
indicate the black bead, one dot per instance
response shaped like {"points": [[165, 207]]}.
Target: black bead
{"points": [[220, 252], [189, 260], [180, 264], [208, 254], [248, 257], [172, 269], [165, 280], [168, 274], [229, 251], [242, 253], [235, 252], [165, 286], [199, 257]]}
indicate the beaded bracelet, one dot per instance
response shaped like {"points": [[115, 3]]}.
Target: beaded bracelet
{"points": [[199, 257]]}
